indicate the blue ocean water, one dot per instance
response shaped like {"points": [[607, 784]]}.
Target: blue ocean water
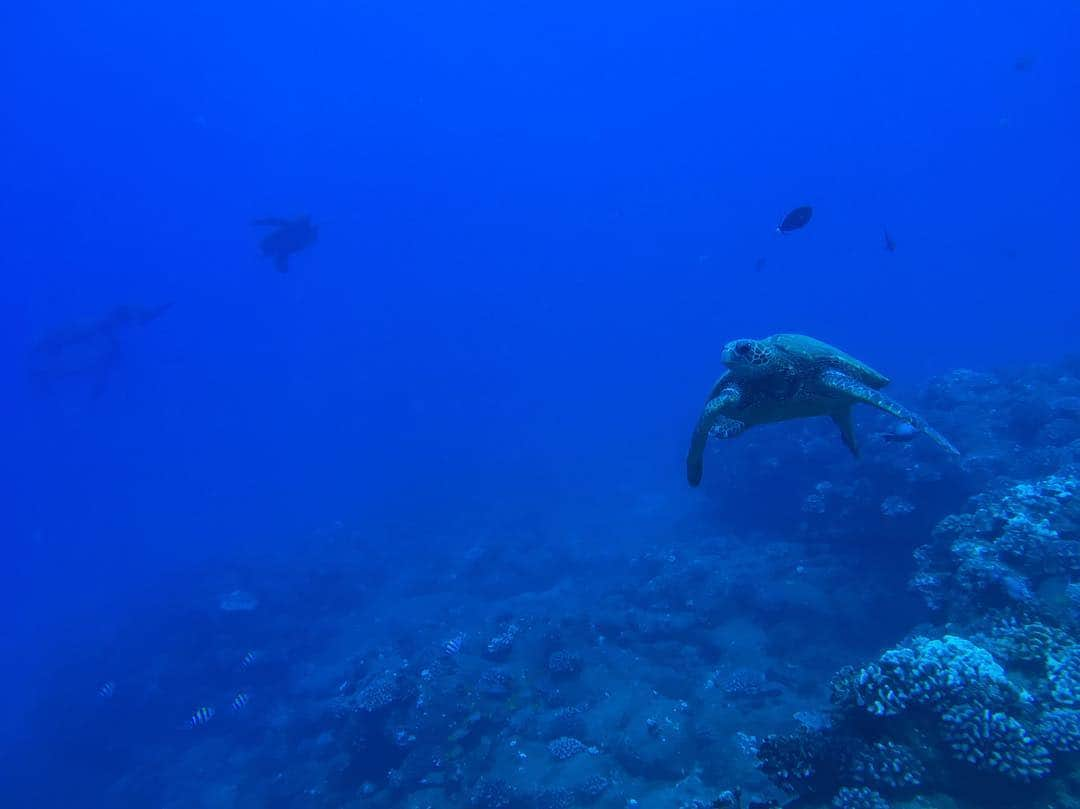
{"points": [[421, 499]]}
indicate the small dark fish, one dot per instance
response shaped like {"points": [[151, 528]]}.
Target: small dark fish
{"points": [[1024, 63], [200, 718], [107, 690], [240, 701], [796, 219], [248, 659], [759, 265], [890, 245]]}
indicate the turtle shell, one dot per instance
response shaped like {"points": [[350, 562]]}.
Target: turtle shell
{"points": [[807, 349]]}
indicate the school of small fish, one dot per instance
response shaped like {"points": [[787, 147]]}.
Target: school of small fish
{"points": [[200, 717], [453, 646]]}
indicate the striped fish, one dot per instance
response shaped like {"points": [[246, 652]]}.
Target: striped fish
{"points": [[107, 689], [453, 646], [200, 718], [240, 701], [248, 659]]}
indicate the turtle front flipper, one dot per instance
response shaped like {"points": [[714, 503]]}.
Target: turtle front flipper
{"points": [[844, 384], [712, 422]]}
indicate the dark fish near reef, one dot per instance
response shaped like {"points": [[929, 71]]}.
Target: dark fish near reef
{"points": [[796, 219], [248, 659], [890, 245], [240, 701], [289, 236], [200, 718], [1024, 63], [107, 690]]}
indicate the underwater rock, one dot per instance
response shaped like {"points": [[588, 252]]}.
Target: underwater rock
{"points": [[557, 798], [565, 748], [379, 693], [494, 683], [493, 793], [896, 506], [814, 503], [566, 721], [743, 682], [564, 663], [500, 646], [813, 720], [592, 789], [859, 798], [658, 740]]}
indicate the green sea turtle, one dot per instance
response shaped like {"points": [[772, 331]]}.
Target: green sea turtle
{"points": [[287, 237], [790, 376]]}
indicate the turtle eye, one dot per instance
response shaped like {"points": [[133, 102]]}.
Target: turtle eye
{"points": [[742, 349]]}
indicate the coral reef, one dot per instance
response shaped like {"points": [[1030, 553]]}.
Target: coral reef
{"points": [[565, 748], [859, 798], [935, 673], [887, 765], [993, 741], [1059, 729], [614, 669]]}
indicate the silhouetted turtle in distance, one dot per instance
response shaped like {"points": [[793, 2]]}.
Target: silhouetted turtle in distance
{"points": [[287, 237], [88, 350]]}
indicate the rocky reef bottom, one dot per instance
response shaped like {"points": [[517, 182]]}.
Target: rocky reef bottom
{"points": [[814, 632]]}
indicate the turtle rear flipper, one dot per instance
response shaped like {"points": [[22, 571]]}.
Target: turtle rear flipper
{"points": [[712, 422], [842, 418], [842, 383]]}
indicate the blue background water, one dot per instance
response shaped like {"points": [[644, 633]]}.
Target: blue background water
{"points": [[539, 223]]}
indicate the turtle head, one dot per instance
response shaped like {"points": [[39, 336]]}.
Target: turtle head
{"points": [[747, 357]]}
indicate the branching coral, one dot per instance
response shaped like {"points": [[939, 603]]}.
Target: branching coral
{"points": [[995, 742], [930, 672]]}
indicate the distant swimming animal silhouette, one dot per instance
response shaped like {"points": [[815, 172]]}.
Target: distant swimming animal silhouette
{"points": [[790, 376], [287, 237], [86, 350], [798, 218]]}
